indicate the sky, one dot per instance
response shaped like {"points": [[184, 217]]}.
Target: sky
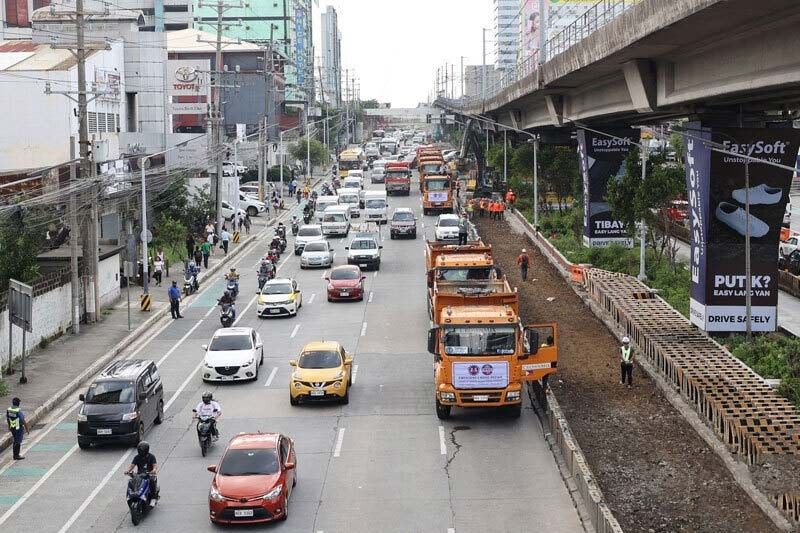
{"points": [[395, 46]]}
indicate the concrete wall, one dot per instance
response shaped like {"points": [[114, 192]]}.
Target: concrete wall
{"points": [[109, 280]]}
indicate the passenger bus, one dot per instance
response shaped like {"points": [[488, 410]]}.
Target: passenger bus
{"points": [[351, 159]]}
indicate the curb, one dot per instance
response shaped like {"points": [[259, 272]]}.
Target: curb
{"points": [[41, 411]]}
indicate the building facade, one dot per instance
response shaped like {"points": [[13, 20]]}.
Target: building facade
{"points": [[331, 58], [473, 79], [506, 33]]}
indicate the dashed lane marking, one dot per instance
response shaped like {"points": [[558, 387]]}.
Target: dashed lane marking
{"points": [[338, 450], [271, 377], [442, 445], [355, 374], [244, 312], [364, 329], [324, 273], [369, 300], [295, 330], [311, 300]]}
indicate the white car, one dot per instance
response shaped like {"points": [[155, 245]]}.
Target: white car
{"points": [[317, 254], [228, 168], [279, 296], [251, 205], [227, 210], [364, 251], [306, 234], [447, 227], [378, 175], [233, 355]]}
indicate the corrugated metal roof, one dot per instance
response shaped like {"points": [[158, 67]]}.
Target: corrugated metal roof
{"points": [[186, 41], [28, 55]]}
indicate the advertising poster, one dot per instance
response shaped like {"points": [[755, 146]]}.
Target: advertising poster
{"points": [[601, 159], [719, 222], [480, 375], [531, 26]]}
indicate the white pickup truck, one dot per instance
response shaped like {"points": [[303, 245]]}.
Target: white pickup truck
{"points": [[789, 245]]}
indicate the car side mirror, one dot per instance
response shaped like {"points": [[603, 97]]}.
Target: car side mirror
{"points": [[212, 468], [293, 362], [204, 347], [433, 344], [289, 465], [348, 360], [327, 278], [380, 247], [81, 397], [363, 278], [346, 247]]}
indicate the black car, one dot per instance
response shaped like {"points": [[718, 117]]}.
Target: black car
{"points": [[125, 400], [790, 263]]}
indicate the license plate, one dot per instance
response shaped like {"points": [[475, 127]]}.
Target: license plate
{"points": [[362, 265], [241, 513], [344, 293], [274, 311], [104, 432], [317, 393], [481, 398]]}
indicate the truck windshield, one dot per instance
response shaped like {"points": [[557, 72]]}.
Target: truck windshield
{"points": [[431, 167], [464, 274], [333, 217], [437, 185], [375, 204], [393, 174], [480, 340], [349, 165]]}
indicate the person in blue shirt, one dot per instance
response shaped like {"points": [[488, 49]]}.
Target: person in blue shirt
{"points": [[16, 424], [175, 300]]}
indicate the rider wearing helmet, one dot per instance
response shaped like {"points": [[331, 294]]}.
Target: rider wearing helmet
{"points": [[145, 462], [194, 271], [232, 274], [266, 268], [228, 299], [208, 407]]}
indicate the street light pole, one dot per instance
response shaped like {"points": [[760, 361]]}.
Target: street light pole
{"points": [[483, 76], [143, 236], [643, 233], [308, 143], [536, 184]]}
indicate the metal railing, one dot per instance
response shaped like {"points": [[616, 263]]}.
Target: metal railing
{"points": [[590, 21]]}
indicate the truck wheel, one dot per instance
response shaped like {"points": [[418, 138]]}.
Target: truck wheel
{"points": [[252, 211], [442, 411], [514, 411]]}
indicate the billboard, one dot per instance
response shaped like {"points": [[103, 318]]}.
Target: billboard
{"points": [[601, 159], [530, 27], [719, 222], [188, 77]]}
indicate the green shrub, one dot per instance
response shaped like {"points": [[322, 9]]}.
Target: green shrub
{"points": [[3, 388]]}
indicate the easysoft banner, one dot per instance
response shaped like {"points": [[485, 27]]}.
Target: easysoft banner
{"points": [[719, 222], [601, 159], [483, 375]]}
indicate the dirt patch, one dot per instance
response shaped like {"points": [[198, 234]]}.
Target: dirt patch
{"points": [[656, 473]]}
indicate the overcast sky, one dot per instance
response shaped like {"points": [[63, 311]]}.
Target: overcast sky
{"points": [[396, 45]]}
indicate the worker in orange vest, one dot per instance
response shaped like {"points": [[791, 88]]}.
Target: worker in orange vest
{"points": [[501, 208], [495, 209], [482, 207], [510, 196]]}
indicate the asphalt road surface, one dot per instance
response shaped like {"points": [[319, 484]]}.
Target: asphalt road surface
{"points": [[382, 463]]}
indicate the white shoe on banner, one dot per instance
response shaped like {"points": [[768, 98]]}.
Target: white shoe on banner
{"points": [[733, 216], [759, 195]]}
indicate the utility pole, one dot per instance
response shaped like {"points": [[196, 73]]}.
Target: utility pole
{"points": [[452, 80], [463, 87], [643, 234], [74, 236], [542, 32], [346, 108]]}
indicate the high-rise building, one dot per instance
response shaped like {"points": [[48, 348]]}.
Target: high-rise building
{"points": [[331, 58], [506, 33]]}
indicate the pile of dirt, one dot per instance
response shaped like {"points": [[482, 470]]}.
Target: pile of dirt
{"points": [[656, 473]]}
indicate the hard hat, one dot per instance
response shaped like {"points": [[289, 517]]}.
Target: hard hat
{"points": [[524, 251], [626, 340]]}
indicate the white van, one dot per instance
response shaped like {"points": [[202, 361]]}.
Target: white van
{"points": [[336, 220], [355, 174], [353, 182], [350, 198], [375, 205], [324, 202]]}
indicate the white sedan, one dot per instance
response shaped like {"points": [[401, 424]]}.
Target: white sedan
{"points": [[317, 254], [233, 355]]}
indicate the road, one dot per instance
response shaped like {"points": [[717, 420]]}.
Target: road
{"points": [[788, 305], [382, 463]]}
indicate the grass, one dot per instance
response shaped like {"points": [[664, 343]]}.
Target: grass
{"points": [[3, 388]]}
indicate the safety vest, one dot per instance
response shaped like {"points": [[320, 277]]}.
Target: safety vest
{"points": [[627, 354], [12, 416]]}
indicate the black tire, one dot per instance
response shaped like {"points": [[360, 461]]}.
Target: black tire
{"points": [[160, 414], [136, 514], [391, 236], [204, 447], [84, 444], [329, 299], [252, 211], [139, 434], [442, 411], [514, 411], [346, 398], [414, 235], [261, 362], [293, 401]]}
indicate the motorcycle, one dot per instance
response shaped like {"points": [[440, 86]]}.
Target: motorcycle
{"points": [[263, 278], [273, 255], [295, 227], [226, 315], [233, 287], [139, 496], [204, 433], [280, 231], [282, 243], [307, 217], [189, 283]]}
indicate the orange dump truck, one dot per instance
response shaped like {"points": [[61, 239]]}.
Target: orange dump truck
{"points": [[453, 262], [482, 353]]}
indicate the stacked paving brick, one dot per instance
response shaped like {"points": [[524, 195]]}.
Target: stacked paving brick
{"points": [[746, 413]]}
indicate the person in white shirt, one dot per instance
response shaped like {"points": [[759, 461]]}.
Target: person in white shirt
{"points": [[208, 408]]}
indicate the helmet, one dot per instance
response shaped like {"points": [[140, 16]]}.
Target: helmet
{"points": [[233, 270], [626, 340], [207, 397], [228, 294], [143, 448], [524, 251]]}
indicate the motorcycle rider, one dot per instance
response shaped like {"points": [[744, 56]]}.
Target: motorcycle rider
{"points": [[233, 275], [281, 230], [266, 268], [295, 225], [193, 272], [208, 407], [228, 299], [276, 242], [145, 462]]}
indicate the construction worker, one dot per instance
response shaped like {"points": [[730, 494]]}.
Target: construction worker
{"points": [[524, 261], [501, 208], [16, 423], [509, 196], [626, 362], [470, 208], [482, 207]]}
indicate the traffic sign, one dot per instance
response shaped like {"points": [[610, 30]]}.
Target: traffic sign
{"points": [[146, 236], [20, 303]]}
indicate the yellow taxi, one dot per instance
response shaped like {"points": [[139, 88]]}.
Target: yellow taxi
{"points": [[322, 373]]}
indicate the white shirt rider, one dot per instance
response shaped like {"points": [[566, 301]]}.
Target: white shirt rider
{"points": [[211, 408]]}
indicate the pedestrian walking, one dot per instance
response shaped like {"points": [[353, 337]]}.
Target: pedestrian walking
{"points": [[205, 249], [626, 362], [225, 237], [501, 209], [247, 223], [158, 269], [189, 245], [198, 256], [463, 231], [482, 205], [174, 294], [470, 209], [524, 261], [17, 425]]}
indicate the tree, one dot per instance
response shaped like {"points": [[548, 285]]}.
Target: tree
{"points": [[319, 154], [171, 234], [21, 238], [559, 173], [676, 143]]}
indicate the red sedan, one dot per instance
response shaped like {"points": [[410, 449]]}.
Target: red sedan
{"points": [[254, 479], [345, 282]]}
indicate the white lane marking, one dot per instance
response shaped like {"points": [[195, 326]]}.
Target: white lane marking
{"points": [[214, 308], [283, 262], [338, 450], [369, 300], [271, 376], [442, 445], [355, 374], [423, 225], [311, 300], [451, 530], [295, 330], [180, 341], [35, 487], [93, 494], [375, 274], [363, 329], [324, 273], [241, 314]]}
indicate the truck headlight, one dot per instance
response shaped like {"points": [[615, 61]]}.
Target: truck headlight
{"points": [[81, 417], [512, 396], [127, 417], [448, 396]]}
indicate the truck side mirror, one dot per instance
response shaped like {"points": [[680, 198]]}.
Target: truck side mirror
{"points": [[532, 341], [433, 345]]}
